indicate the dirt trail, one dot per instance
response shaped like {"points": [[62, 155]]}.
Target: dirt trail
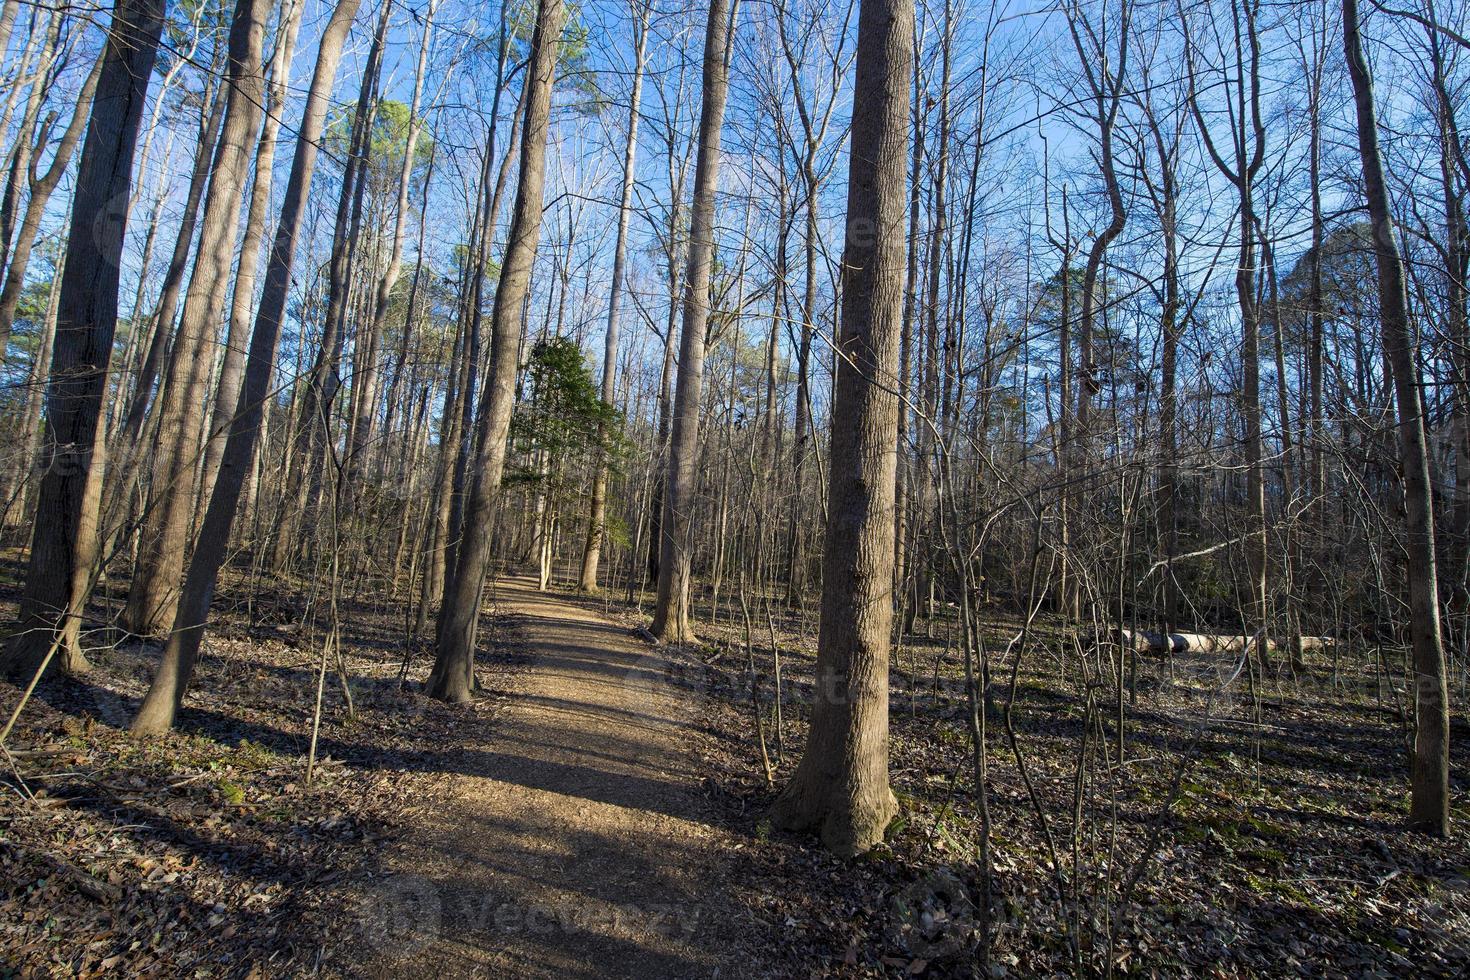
{"points": [[574, 843]]}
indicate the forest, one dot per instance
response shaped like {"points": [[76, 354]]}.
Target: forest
{"points": [[753, 488]]}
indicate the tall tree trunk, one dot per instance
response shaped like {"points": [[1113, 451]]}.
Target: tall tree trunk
{"points": [[671, 613], [452, 678], [64, 530], [841, 784], [20, 487], [903, 479], [926, 492], [242, 302], [314, 429], [1246, 148], [173, 281], [435, 559], [30, 133], [1170, 328], [597, 516], [171, 680], [153, 595], [1429, 805]]}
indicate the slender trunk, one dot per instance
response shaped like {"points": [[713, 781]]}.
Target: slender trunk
{"points": [[21, 486], [597, 516], [905, 358], [173, 281], [1429, 808], [171, 681], [365, 387], [153, 596], [671, 612], [31, 134], [322, 384], [232, 370], [452, 678], [41, 188]]}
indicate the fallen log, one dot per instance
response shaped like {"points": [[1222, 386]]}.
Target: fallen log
{"points": [[1146, 641]]}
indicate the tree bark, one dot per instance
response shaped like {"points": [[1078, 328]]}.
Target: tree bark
{"points": [[314, 425], [453, 675], [171, 681], [1429, 808], [153, 595], [671, 612], [365, 387], [242, 301], [841, 784], [41, 188], [597, 515], [173, 282], [64, 534]]}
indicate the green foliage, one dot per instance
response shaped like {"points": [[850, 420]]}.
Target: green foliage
{"points": [[460, 255], [212, 18], [387, 142], [30, 314], [231, 792], [19, 358], [563, 420], [573, 64], [1348, 276]]}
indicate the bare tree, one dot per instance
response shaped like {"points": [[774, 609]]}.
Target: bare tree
{"points": [[597, 516], [671, 614], [841, 784], [242, 299], [176, 666], [41, 185], [64, 531], [1429, 805], [169, 520], [453, 676]]}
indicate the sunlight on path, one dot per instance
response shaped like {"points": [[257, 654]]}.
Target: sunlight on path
{"points": [[574, 844]]}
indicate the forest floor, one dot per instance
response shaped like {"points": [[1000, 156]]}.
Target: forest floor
{"points": [[557, 827], [574, 841], [599, 811], [1249, 829]]}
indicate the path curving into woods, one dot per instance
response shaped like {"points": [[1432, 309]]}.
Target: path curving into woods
{"points": [[575, 841]]}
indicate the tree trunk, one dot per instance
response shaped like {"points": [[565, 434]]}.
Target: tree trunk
{"points": [[452, 678], [41, 188], [314, 424], [905, 359], [153, 596], [171, 681], [671, 613], [1429, 808], [232, 371], [597, 516], [173, 282], [64, 535], [841, 783], [365, 387]]}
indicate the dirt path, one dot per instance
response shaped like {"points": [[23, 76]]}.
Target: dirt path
{"points": [[574, 842]]}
